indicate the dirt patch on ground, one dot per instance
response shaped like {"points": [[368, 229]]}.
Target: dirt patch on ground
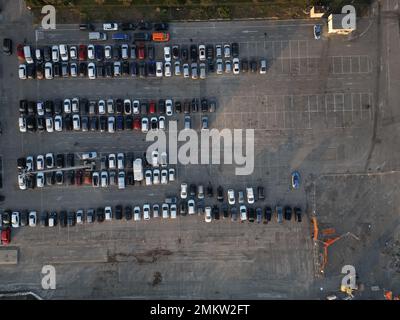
{"points": [[150, 256]]}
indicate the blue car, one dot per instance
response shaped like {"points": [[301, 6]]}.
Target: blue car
{"points": [[295, 180], [317, 31]]}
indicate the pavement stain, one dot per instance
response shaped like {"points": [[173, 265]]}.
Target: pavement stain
{"points": [[149, 256]]}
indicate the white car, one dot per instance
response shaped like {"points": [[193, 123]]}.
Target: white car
{"points": [[40, 162], [202, 52], [29, 164], [58, 124], [110, 106], [108, 213], [22, 124], [243, 213], [168, 107], [49, 124], [220, 66], [186, 72], [136, 213], [73, 52], [163, 159], [21, 182], [161, 123], [15, 219], [146, 211], [159, 69], [263, 66], [191, 206], [250, 195], [165, 210], [145, 125], [207, 216], [63, 52], [73, 68], [218, 51], [32, 219], [184, 187], [102, 107], [136, 106], [124, 51], [79, 216], [22, 71], [104, 179], [40, 108], [156, 210], [148, 175], [75, 105], [90, 52], [67, 106], [167, 54], [227, 51], [156, 176], [76, 122], [120, 161], [92, 71], [167, 69], [111, 124], [164, 176], [48, 70], [112, 161], [111, 26], [107, 52], [154, 158], [231, 196], [171, 174], [236, 68], [55, 54], [177, 68], [172, 210]]}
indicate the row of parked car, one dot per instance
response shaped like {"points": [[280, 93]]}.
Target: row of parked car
{"points": [[167, 211], [115, 106]]}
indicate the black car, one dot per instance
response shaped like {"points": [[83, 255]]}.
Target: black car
{"points": [[43, 219], [109, 69], [235, 49], [119, 106], [192, 190], [297, 214], [119, 123], [118, 212], [142, 70], [195, 105], [116, 53], [162, 26], [31, 124], [204, 105], [154, 124], [260, 192], [59, 177], [84, 106], [125, 68], [178, 107], [134, 70], [225, 212], [184, 53], [21, 163], [245, 65], [100, 216], [183, 208], [210, 52], [7, 46], [70, 160], [47, 53], [57, 69], [128, 26], [103, 123], [175, 52], [210, 191], [71, 219], [193, 53], [151, 53], [23, 107], [128, 123], [215, 212], [83, 69], [129, 178], [31, 71], [288, 213], [161, 106], [253, 66], [30, 183], [58, 108], [267, 214], [64, 70], [63, 218], [49, 107], [41, 123], [151, 69], [220, 194], [144, 25], [68, 122], [252, 214], [39, 71], [100, 70], [60, 160], [128, 212], [31, 107], [94, 124], [211, 66], [24, 218]]}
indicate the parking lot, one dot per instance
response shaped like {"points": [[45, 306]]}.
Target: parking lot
{"points": [[313, 112]]}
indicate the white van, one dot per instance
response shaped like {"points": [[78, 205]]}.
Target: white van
{"points": [[97, 36], [63, 52], [121, 180], [28, 54]]}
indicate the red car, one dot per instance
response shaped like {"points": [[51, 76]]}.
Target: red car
{"points": [[136, 124], [152, 108], [20, 52], [141, 53], [88, 179], [6, 235], [82, 53]]}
